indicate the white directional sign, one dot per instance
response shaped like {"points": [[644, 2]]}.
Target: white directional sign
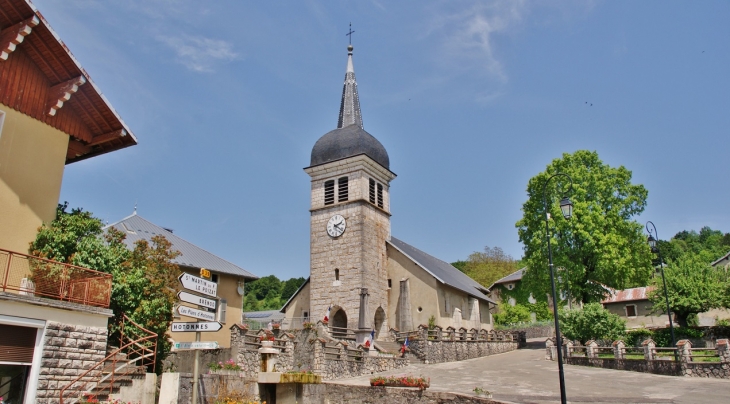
{"points": [[205, 326], [196, 345], [199, 285], [195, 313], [195, 299]]}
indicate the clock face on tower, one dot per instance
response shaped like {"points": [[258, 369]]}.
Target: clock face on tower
{"points": [[336, 226]]}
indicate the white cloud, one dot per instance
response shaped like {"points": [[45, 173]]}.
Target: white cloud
{"points": [[468, 34], [199, 54]]}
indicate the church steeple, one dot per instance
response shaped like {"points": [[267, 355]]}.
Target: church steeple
{"points": [[350, 104]]}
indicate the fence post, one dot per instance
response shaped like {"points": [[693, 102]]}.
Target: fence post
{"points": [[591, 349], [649, 349], [568, 348], [723, 350], [619, 349], [423, 332], [318, 360], [684, 350], [549, 349], [439, 332]]}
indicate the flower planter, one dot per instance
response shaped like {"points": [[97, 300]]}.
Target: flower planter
{"points": [[304, 378], [418, 383], [267, 344]]}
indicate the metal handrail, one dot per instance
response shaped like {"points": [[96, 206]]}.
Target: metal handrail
{"points": [[137, 348], [36, 276]]}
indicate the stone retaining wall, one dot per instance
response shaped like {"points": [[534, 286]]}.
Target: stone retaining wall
{"points": [[342, 394], [182, 361], [449, 351], [68, 351]]}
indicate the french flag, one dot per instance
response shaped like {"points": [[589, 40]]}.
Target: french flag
{"points": [[370, 339], [405, 345], [327, 316]]}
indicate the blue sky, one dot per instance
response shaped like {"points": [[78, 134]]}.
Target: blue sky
{"points": [[470, 99]]}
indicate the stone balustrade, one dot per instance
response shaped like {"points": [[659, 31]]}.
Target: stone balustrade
{"points": [[680, 361]]}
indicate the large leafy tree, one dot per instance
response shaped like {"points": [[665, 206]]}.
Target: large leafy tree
{"points": [[601, 246], [144, 279], [488, 266], [693, 286]]}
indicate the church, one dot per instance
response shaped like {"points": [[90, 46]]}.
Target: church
{"points": [[361, 278]]}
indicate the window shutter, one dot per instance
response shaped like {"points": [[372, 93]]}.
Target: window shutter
{"points": [[17, 343]]}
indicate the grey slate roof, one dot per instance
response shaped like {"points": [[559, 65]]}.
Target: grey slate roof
{"points": [[349, 139], [137, 228], [264, 315], [442, 271], [719, 260], [513, 277], [348, 142], [350, 105]]}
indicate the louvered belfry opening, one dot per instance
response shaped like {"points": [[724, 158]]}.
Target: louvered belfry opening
{"points": [[342, 189], [17, 343], [329, 192], [380, 195], [372, 191]]}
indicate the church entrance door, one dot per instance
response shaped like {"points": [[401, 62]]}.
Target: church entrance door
{"points": [[339, 324], [379, 321]]}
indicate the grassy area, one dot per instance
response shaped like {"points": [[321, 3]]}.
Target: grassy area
{"points": [[713, 358]]}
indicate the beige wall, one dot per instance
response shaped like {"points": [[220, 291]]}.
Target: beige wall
{"points": [[227, 289], [300, 304], [32, 159], [433, 297], [644, 317], [49, 313]]}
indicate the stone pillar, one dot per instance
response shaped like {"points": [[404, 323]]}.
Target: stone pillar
{"points": [[649, 346], [550, 352], [404, 319], [619, 349], [318, 360], [451, 332], [723, 350], [342, 347], [591, 351], [567, 348], [684, 350], [423, 332], [439, 332], [462, 333]]}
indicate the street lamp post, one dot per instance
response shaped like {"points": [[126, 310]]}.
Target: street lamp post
{"points": [[654, 245], [566, 206]]}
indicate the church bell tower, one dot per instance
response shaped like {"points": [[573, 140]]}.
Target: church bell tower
{"points": [[350, 221]]}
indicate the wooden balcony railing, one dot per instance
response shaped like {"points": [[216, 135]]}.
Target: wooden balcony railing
{"points": [[32, 276]]}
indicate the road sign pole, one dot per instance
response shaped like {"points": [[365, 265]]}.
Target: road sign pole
{"points": [[196, 370]]}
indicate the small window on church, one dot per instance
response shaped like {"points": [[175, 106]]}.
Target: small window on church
{"points": [[390, 283], [372, 191], [337, 274], [380, 195], [329, 192], [342, 189]]}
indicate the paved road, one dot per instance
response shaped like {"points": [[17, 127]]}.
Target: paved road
{"points": [[524, 376]]}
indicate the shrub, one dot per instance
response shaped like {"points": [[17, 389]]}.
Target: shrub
{"points": [[591, 322], [512, 315]]}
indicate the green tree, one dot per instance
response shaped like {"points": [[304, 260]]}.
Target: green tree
{"points": [[601, 244], [693, 287], [509, 314], [592, 322], [488, 266], [290, 286], [144, 280]]}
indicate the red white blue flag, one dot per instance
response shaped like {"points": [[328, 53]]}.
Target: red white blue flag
{"points": [[327, 315]]}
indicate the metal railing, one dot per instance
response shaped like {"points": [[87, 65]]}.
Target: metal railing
{"points": [[137, 348], [33, 276]]}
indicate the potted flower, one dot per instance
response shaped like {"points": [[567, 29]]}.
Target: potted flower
{"points": [[267, 340], [421, 383]]}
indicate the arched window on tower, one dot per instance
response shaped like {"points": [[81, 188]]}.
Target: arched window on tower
{"points": [[342, 189], [329, 192]]}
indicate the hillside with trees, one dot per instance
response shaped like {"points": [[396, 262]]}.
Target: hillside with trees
{"points": [[269, 293]]}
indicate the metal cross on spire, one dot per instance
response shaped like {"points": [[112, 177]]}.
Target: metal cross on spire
{"points": [[350, 33]]}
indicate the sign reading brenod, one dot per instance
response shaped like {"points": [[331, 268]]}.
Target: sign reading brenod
{"points": [[199, 285], [195, 299], [210, 326]]}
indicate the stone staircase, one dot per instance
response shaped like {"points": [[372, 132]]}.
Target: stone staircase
{"points": [[387, 347], [117, 374]]}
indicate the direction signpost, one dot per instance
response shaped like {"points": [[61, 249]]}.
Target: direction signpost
{"points": [[196, 345], [195, 299], [208, 288], [195, 313]]}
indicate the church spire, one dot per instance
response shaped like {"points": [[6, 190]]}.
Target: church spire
{"points": [[350, 104]]}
